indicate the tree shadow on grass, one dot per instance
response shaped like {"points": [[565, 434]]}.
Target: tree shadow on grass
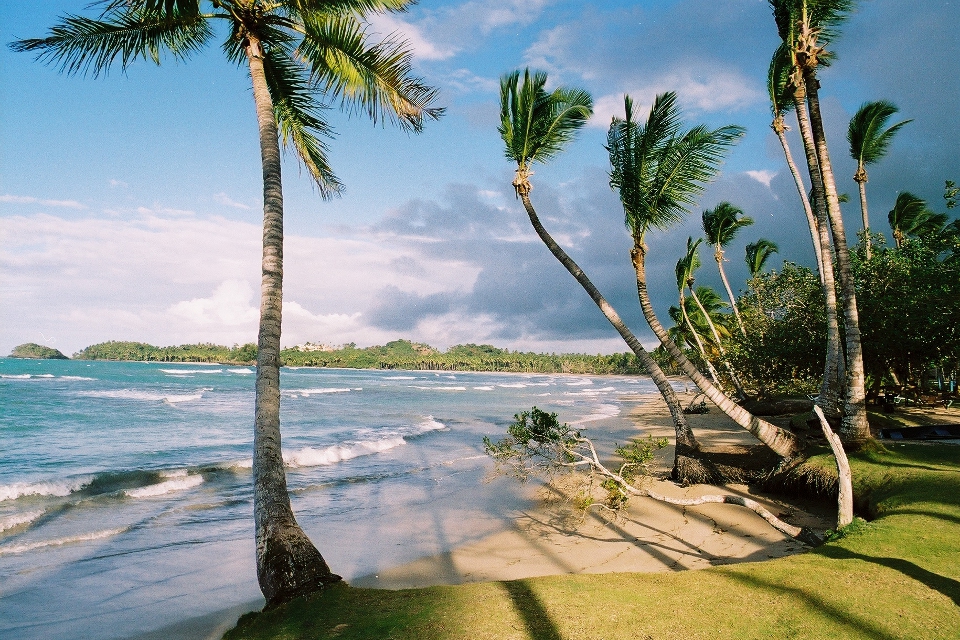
{"points": [[865, 627], [535, 616], [947, 586]]}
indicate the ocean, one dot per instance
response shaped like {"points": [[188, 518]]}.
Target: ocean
{"points": [[125, 487]]}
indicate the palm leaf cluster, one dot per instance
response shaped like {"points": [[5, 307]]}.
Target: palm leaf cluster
{"points": [[308, 48], [659, 169]]}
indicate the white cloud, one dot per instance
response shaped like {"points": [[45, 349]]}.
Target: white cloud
{"points": [[165, 211], [763, 176], [224, 199], [386, 24], [701, 91], [231, 305], [69, 204]]}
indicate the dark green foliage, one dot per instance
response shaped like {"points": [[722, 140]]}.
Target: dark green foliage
{"points": [[140, 351], [37, 351], [785, 345]]}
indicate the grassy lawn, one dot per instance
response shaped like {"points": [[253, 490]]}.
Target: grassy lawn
{"points": [[897, 576]]}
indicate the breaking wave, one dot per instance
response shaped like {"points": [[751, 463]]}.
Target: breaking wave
{"points": [[56, 542]]}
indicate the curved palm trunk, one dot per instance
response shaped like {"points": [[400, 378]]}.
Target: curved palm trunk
{"points": [[780, 441], [861, 178], [716, 337], [685, 468], [854, 427], [718, 256], [830, 398], [696, 337], [288, 565], [779, 128]]}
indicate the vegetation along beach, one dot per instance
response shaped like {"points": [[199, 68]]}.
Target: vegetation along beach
{"points": [[453, 319]]}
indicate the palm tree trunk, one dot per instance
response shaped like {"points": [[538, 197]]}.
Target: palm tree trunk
{"points": [[780, 441], [854, 427], [830, 396], [686, 468], [779, 128], [718, 255], [716, 337], [696, 337], [288, 565], [861, 178]]}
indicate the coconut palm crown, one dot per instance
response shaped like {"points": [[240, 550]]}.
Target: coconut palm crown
{"points": [[296, 51], [658, 169], [911, 216], [757, 254], [536, 124]]}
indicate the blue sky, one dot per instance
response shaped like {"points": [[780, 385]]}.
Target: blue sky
{"points": [[130, 204]]}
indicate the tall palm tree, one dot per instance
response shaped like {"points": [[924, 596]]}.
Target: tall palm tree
{"points": [[684, 271], [658, 170], [806, 27], [535, 126], [870, 138], [721, 225], [296, 51], [781, 102], [757, 254], [910, 216]]}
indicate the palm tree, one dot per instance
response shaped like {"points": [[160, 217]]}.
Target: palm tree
{"points": [[721, 225], [781, 101], [295, 51], [806, 27], [684, 270], [658, 170], [870, 138], [910, 216], [535, 125], [757, 254]]}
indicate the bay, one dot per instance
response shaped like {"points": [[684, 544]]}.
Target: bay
{"points": [[125, 487]]}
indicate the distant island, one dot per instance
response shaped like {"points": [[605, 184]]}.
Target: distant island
{"points": [[398, 354], [37, 352]]}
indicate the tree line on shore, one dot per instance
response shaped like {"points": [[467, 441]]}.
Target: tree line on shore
{"points": [[398, 354]]}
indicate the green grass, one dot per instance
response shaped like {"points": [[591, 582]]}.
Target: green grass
{"points": [[897, 576]]}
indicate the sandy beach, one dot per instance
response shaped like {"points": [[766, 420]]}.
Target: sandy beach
{"points": [[552, 537]]}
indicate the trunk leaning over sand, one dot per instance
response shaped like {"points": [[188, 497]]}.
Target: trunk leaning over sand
{"points": [[845, 478]]}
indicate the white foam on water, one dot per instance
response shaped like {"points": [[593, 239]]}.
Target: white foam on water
{"points": [[58, 542], [76, 378], [306, 393], [18, 519], [310, 457], [45, 375], [429, 424], [514, 385], [400, 378], [146, 396], [186, 371], [579, 383], [589, 392], [440, 388], [179, 480], [483, 388], [58, 488], [241, 371], [12, 376], [600, 413]]}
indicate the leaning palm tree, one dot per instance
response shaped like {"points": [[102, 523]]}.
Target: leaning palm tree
{"points": [[806, 27], [535, 126], [870, 138], [910, 216], [757, 254], [295, 51], [781, 102], [658, 170], [684, 271], [721, 225]]}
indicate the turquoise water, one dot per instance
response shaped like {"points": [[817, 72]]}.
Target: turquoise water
{"points": [[125, 501]]}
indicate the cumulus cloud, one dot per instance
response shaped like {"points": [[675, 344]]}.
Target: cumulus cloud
{"points": [[224, 199], [231, 304], [763, 176]]}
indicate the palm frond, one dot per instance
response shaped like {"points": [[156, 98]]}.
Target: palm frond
{"points": [[722, 223], [372, 78], [85, 45], [298, 117], [758, 253], [535, 125], [778, 81], [868, 134], [687, 265]]}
